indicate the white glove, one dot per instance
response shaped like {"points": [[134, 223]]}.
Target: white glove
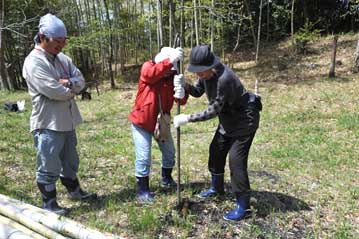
{"points": [[176, 55], [179, 120], [178, 80], [179, 92]]}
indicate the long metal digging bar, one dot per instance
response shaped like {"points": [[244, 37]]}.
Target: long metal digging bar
{"points": [[178, 43]]}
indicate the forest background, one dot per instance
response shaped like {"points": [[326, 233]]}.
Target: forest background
{"points": [[303, 164], [106, 36]]}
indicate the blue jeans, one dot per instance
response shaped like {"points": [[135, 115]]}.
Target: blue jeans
{"points": [[56, 154], [143, 140]]}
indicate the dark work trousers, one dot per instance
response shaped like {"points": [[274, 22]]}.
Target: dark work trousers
{"points": [[238, 148]]}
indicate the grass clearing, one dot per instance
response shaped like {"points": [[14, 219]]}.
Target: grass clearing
{"points": [[303, 164]]}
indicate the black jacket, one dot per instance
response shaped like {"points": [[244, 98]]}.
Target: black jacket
{"points": [[237, 109]]}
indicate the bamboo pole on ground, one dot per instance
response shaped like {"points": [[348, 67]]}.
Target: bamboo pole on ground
{"points": [[8, 232], [56, 222], [22, 231], [15, 214]]}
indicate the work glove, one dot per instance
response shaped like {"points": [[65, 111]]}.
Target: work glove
{"points": [[178, 80], [176, 55], [179, 92], [180, 119]]}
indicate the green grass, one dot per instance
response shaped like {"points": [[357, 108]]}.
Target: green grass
{"points": [[303, 165]]}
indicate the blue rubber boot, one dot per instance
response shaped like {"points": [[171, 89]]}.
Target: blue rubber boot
{"points": [[143, 190], [241, 211], [167, 180], [216, 189]]}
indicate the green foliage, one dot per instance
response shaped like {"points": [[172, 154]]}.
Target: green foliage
{"points": [[306, 34], [281, 18]]}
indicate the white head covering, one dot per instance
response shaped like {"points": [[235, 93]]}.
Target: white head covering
{"points": [[165, 53], [51, 26]]}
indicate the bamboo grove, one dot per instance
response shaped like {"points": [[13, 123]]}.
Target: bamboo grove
{"points": [[106, 36]]}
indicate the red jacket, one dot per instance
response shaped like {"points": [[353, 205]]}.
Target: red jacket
{"points": [[154, 79]]}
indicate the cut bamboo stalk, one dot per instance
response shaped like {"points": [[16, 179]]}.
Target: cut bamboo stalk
{"points": [[15, 214], [58, 223], [8, 232], [17, 226]]}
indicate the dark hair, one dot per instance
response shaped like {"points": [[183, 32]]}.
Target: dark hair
{"points": [[39, 36]]}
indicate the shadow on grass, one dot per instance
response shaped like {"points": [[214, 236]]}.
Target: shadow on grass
{"points": [[270, 202], [263, 202], [103, 201]]}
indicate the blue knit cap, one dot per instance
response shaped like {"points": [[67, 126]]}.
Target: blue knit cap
{"points": [[51, 26]]}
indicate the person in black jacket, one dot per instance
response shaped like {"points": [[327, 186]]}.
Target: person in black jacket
{"points": [[238, 113]]}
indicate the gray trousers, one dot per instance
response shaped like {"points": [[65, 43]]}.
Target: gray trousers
{"points": [[56, 155]]}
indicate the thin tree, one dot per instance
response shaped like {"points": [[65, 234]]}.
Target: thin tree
{"points": [[268, 19], [196, 21], [159, 25], [4, 83], [259, 29], [212, 25], [292, 24], [247, 6], [334, 53], [110, 47], [356, 60], [150, 28]]}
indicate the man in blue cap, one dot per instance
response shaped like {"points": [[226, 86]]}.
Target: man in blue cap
{"points": [[238, 114], [53, 80]]}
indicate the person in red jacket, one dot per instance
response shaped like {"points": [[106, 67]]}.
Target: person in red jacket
{"points": [[158, 86]]}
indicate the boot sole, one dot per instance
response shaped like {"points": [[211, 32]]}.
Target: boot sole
{"points": [[247, 215], [211, 196]]}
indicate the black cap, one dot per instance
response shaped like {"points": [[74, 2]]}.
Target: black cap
{"points": [[202, 59]]}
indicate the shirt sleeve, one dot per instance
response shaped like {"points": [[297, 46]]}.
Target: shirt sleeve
{"points": [[43, 81], [151, 72], [77, 79], [75, 75], [214, 107], [196, 90]]}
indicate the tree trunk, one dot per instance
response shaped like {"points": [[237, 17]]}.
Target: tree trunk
{"points": [[259, 29], [182, 24], [305, 11], [332, 65], [159, 25], [250, 21], [172, 24], [4, 83], [212, 25], [196, 21], [292, 25], [356, 60], [110, 47], [150, 28], [268, 19], [99, 16]]}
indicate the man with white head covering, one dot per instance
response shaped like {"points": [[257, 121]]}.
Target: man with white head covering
{"points": [[53, 80], [158, 87]]}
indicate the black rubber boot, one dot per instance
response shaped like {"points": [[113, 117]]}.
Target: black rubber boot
{"points": [[216, 189], [167, 180], [74, 190], [143, 189], [48, 193]]}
